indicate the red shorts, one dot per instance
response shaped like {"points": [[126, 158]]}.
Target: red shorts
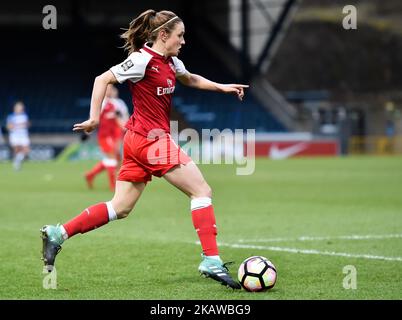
{"points": [[144, 157], [108, 144]]}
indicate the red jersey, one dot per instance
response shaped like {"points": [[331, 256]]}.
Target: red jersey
{"points": [[152, 82], [108, 123]]}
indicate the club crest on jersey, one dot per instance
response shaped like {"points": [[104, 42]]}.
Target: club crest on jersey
{"points": [[127, 65], [169, 90]]}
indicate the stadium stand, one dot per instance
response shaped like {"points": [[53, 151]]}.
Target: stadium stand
{"points": [[56, 85], [214, 110]]}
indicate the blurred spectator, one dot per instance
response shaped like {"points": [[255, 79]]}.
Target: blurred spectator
{"points": [[389, 123]]}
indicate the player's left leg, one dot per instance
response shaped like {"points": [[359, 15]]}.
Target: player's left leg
{"points": [[190, 180], [93, 217], [21, 151], [19, 156], [111, 164], [91, 174], [108, 163]]}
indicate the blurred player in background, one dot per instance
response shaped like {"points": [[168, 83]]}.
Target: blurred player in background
{"points": [[120, 105], [154, 39], [113, 117], [17, 126], [123, 114]]}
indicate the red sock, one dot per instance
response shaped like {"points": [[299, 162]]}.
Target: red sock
{"points": [[205, 225], [111, 171], [91, 218], [98, 168]]}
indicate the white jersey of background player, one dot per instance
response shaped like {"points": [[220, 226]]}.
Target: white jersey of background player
{"points": [[17, 126]]}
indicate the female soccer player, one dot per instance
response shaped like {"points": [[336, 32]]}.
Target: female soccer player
{"points": [[154, 40], [17, 126]]}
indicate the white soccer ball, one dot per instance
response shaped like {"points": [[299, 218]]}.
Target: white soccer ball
{"points": [[257, 273]]}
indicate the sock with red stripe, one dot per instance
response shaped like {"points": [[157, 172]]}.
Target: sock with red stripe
{"points": [[111, 171], [91, 218], [111, 167], [203, 217]]}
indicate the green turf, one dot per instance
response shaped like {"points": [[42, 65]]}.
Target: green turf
{"points": [[152, 254]]}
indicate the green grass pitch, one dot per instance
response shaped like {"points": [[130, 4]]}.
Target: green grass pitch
{"points": [[349, 211]]}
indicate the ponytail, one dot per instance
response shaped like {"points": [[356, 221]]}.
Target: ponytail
{"points": [[145, 28], [138, 31]]}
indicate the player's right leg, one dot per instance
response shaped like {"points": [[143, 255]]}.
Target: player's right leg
{"points": [[111, 166], [108, 163], [20, 146], [18, 157], [91, 174], [190, 180], [125, 197]]}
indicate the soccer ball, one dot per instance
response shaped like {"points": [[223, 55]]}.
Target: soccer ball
{"points": [[257, 273]]}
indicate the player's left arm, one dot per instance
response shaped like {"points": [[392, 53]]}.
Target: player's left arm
{"points": [[199, 82]]}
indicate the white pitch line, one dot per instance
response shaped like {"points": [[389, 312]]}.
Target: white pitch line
{"points": [[309, 251], [309, 238]]}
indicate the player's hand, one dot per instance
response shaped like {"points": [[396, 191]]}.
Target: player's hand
{"points": [[237, 89], [86, 126]]}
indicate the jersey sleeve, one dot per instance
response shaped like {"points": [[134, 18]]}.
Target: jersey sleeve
{"points": [[179, 65], [133, 68]]}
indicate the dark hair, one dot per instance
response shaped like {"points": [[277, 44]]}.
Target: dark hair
{"points": [[145, 28]]}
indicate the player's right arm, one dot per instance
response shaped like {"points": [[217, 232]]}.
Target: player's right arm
{"points": [[133, 69], [196, 81], [98, 94]]}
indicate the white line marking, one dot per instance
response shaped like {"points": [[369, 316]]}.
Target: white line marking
{"points": [[309, 251], [308, 238]]}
